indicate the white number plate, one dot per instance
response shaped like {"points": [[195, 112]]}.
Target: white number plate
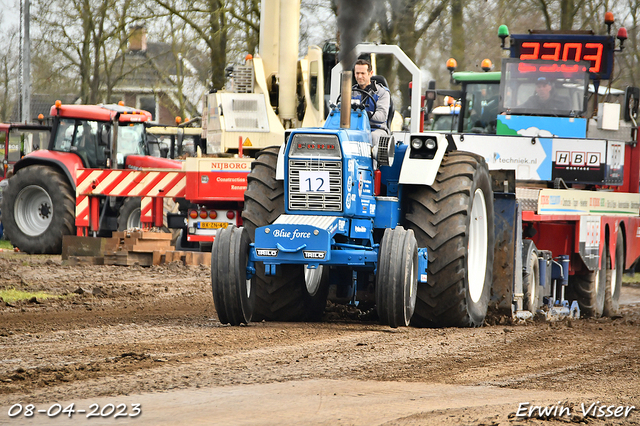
{"points": [[314, 181]]}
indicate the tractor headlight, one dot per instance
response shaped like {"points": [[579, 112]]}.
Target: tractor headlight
{"points": [[423, 147], [430, 144]]}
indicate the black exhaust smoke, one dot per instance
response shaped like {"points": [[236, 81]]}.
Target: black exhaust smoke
{"points": [[353, 18]]}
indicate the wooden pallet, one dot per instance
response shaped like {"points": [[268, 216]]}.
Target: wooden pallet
{"points": [[126, 249], [140, 242], [185, 257]]}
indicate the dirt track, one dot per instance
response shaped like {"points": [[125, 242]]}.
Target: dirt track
{"points": [[135, 330]]}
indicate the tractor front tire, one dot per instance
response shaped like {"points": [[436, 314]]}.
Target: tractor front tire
{"points": [[531, 277], [295, 293], [589, 290], [129, 214], [396, 280], [38, 209], [233, 296], [614, 279], [453, 219]]}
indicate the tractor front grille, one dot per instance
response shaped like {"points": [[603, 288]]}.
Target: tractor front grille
{"points": [[321, 201]]}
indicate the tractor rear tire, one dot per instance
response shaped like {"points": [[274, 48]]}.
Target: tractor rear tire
{"points": [[38, 209], [295, 293], [129, 214], [233, 296], [453, 219], [531, 277], [396, 280], [264, 197], [589, 290], [614, 279]]}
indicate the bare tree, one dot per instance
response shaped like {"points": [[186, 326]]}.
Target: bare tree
{"points": [[8, 73], [405, 23], [628, 61], [317, 23], [208, 19], [79, 34], [188, 86], [245, 24], [458, 32]]}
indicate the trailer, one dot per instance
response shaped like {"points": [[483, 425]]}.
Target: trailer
{"points": [[574, 167]]}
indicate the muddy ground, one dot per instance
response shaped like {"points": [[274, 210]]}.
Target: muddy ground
{"points": [[122, 331]]}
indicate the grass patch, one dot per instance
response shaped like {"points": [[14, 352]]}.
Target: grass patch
{"points": [[5, 244], [12, 295], [631, 278]]}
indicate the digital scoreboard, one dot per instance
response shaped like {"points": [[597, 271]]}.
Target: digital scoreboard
{"points": [[597, 50]]}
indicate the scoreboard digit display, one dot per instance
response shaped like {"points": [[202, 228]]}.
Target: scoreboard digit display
{"points": [[597, 50]]}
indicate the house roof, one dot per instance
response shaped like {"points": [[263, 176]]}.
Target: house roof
{"points": [[155, 69], [148, 68]]}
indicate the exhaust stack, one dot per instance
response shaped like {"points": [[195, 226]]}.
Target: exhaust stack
{"points": [[345, 105]]}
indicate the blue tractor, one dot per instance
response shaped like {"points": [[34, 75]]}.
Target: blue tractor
{"points": [[409, 232]]}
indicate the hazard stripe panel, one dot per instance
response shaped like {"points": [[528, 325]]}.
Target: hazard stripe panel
{"points": [[130, 183], [126, 183]]}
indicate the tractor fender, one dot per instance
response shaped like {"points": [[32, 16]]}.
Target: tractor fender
{"points": [[66, 162], [420, 170]]}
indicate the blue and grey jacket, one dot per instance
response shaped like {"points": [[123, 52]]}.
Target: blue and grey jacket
{"points": [[377, 118]]}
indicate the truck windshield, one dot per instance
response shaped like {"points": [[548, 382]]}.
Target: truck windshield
{"points": [[481, 107], [544, 88]]}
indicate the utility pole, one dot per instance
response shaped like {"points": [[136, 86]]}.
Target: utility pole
{"points": [[26, 67]]}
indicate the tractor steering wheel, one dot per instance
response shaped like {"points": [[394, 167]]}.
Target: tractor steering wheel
{"points": [[364, 97]]}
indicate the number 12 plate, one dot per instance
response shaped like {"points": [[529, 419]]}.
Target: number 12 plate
{"points": [[317, 181]]}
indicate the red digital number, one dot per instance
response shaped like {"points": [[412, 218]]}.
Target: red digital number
{"points": [[596, 58], [567, 48], [549, 68], [570, 68], [536, 50], [591, 52], [523, 67], [556, 51]]}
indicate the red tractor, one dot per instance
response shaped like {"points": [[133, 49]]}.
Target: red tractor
{"points": [[38, 203]]}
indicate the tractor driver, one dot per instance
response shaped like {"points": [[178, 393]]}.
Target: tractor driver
{"points": [[378, 117], [545, 97]]}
